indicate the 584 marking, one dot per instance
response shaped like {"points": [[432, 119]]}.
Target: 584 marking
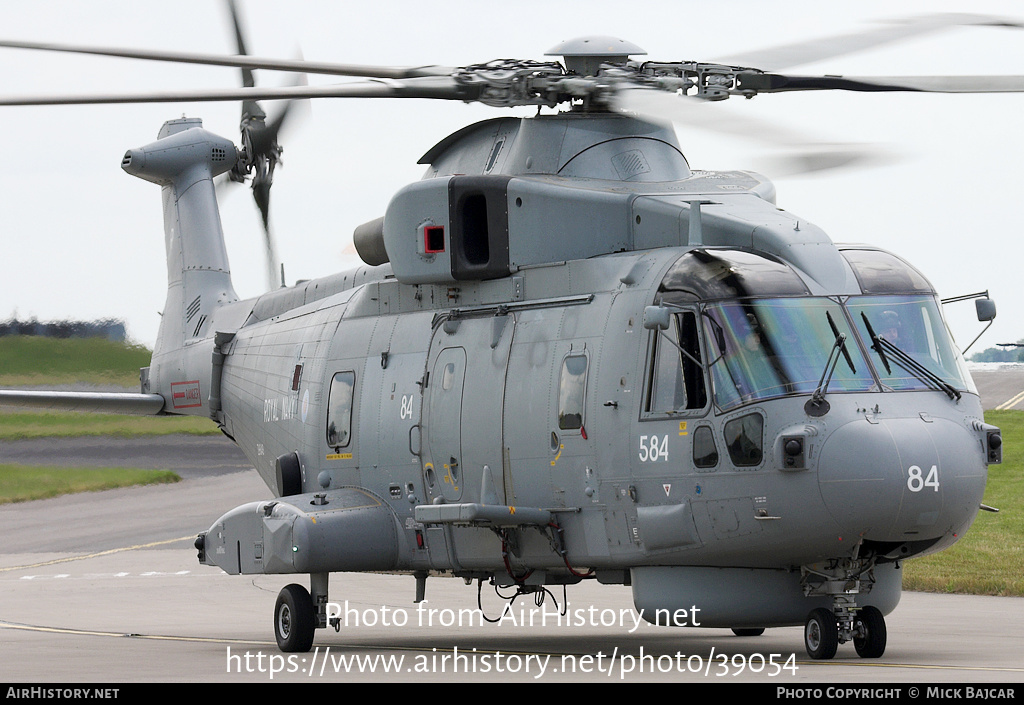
{"points": [[653, 448]]}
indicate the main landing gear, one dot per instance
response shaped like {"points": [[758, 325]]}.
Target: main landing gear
{"points": [[299, 612], [294, 619]]}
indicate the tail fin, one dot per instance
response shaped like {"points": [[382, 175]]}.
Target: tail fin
{"points": [[184, 160], [185, 368]]}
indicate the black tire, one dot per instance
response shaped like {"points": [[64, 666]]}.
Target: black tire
{"points": [[294, 619], [288, 472], [748, 632], [821, 634], [872, 644]]}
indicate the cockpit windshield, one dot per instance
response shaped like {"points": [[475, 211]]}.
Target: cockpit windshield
{"points": [[914, 326], [765, 348], [768, 336]]}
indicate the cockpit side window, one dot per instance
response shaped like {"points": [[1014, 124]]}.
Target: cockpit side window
{"points": [[744, 438], [675, 378], [705, 451]]}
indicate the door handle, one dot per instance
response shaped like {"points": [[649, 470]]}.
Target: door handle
{"points": [[411, 429]]}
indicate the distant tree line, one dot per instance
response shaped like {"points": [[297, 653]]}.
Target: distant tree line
{"points": [[1008, 353], [108, 328]]}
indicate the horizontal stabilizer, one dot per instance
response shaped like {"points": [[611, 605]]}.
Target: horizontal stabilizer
{"points": [[95, 402]]}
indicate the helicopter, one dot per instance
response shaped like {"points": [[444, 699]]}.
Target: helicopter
{"points": [[569, 356]]}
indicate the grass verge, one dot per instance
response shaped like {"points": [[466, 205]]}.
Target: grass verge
{"points": [[20, 483], [29, 360], [18, 425]]}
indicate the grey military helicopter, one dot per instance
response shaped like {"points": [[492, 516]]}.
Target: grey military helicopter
{"points": [[570, 357]]}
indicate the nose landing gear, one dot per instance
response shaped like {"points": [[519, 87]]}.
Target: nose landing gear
{"points": [[824, 631], [842, 580]]}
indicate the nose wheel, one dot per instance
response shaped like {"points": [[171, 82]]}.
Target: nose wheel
{"points": [[869, 633], [821, 634], [824, 632]]}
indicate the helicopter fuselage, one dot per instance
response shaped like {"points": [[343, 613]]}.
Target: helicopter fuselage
{"points": [[612, 368], [560, 406]]}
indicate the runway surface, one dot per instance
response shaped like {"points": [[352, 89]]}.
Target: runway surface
{"points": [[1000, 384], [105, 587]]}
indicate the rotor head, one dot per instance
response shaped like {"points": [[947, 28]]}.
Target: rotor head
{"points": [[585, 55]]}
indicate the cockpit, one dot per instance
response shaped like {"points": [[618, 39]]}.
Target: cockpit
{"points": [[766, 336]]}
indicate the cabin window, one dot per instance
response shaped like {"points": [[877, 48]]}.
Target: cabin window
{"points": [[675, 379], [705, 452], [339, 410], [743, 438], [448, 376], [572, 387]]}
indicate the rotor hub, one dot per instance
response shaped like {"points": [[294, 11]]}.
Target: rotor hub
{"points": [[584, 55]]}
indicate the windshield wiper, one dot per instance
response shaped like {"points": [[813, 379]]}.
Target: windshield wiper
{"points": [[817, 405], [901, 358], [875, 344], [838, 335]]}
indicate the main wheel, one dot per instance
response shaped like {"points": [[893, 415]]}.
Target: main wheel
{"points": [[294, 619], [871, 623], [821, 634], [748, 632]]}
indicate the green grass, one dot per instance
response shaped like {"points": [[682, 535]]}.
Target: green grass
{"points": [[989, 559], [27, 360], [32, 360], [21, 483], [18, 425]]}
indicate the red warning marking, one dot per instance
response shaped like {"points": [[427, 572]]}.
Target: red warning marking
{"points": [[186, 395]]}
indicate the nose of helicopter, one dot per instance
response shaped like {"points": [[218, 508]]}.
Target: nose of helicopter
{"points": [[904, 479]]}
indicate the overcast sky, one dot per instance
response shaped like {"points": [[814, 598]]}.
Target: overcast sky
{"points": [[83, 240]]}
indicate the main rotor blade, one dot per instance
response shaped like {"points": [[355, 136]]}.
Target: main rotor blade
{"points": [[247, 78], [798, 53], [244, 62], [799, 153], [777, 83], [437, 88]]}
